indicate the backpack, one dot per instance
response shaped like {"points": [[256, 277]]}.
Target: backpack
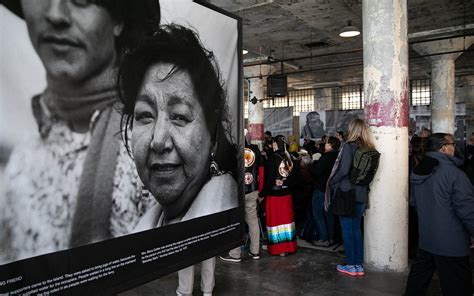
{"points": [[364, 166]]}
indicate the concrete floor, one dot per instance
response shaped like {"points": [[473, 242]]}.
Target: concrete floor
{"points": [[308, 272]]}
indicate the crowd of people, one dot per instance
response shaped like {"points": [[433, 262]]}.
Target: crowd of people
{"points": [[297, 185], [295, 194]]}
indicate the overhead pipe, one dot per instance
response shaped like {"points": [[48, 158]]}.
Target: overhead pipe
{"points": [[358, 64], [273, 61]]}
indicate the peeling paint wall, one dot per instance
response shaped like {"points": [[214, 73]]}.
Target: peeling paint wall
{"points": [[386, 91], [384, 108], [386, 227], [385, 59]]}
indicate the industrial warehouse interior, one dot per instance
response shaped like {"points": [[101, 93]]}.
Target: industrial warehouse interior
{"points": [[237, 147]]}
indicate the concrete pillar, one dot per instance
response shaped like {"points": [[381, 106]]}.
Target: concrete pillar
{"points": [[386, 93], [443, 103], [256, 114], [466, 92]]}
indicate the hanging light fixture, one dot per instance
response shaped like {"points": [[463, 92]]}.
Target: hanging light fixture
{"points": [[349, 30]]}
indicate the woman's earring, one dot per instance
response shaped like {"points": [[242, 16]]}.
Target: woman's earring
{"points": [[215, 171]]}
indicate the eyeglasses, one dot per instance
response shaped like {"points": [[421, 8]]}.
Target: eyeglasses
{"points": [[454, 144]]}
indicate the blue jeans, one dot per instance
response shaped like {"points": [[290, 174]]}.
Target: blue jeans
{"points": [[352, 236], [309, 231], [324, 220]]}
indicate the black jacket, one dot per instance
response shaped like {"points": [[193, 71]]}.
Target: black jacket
{"points": [[251, 172], [271, 175], [321, 169]]}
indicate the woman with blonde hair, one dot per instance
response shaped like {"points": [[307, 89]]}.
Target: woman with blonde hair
{"points": [[358, 137], [359, 133]]}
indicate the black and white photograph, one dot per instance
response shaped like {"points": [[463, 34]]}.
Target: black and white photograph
{"points": [[120, 122], [312, 124], [315, 124]]}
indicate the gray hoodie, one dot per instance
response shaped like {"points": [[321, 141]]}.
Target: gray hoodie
{"points": [[443, 197]]}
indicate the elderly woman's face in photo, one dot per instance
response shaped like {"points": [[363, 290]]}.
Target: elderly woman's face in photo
{"points": [[171, 142], [73, 38]]}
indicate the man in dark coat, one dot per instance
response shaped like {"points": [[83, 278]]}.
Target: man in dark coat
{"points": [[443, 197]]}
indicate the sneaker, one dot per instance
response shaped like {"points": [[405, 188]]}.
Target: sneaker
{"points": [[347, 269], [254, 256], [360, 269], [322, 243], [282, 254], [230, 259]]}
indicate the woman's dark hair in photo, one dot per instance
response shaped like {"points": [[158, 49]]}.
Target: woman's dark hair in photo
{"points": [[334, 142], [180, 46]]}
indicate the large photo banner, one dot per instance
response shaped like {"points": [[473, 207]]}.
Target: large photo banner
{"points": [[312, 125], [315, 124], [279, 121], [120, 142]]}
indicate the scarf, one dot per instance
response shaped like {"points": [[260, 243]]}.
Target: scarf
{"points": [[91, 220], [328, 194], [80, 108]]}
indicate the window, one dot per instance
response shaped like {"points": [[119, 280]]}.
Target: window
{"points": [[246, 107], [348, 97], [276, 102], [420, 92], [301, 100]]}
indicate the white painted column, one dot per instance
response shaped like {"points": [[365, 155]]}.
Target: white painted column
{"points": [[443, 103], [386, 93], [256, 115]]}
